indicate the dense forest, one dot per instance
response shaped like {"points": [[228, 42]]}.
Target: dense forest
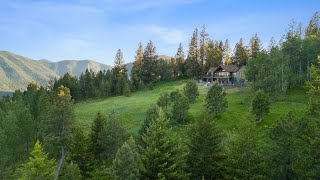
{"points": [[40, 139]]}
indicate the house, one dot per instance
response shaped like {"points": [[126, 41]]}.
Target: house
{"points": [[225, 74]]}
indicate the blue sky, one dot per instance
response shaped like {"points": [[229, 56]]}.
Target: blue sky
{"points": [[84, 29]]}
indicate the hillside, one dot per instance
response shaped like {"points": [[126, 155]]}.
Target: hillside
{"points": [[76, 67], [16, 71], [132, 109]]}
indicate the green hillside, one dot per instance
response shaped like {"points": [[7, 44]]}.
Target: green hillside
{"points": [[132, 109]]}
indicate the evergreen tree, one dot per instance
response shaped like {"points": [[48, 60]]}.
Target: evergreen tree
{"points": [[161, 157], [120, 76], [292, 47], [283, 136], [164, 101], [210, 61], [206, 158], [79, 152], [246, 156], [255, 46], [149, 74], [87, 88], [192, 64], [180, 108], [70, 81], [96, 129], [127, 162], [136, 68], [203, 50], [260, 104], [191, 91], [71, 171], [111, 137], [164, 70], [180, 61], [62, 121], [313, 86], [241, 54], [226, 53], [151, 114], [313, 29], [218, 52], [216, 102], [307, 164], [39, 165]]}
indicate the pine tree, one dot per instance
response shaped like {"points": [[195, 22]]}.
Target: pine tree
{"points": [[192, 63], [149, 74], [226, 53], [62, 122], [260, 104], [216, 102], [80, 152], [164, 70], [180, 61], [70, 171], [161, 157], [111, 137], [164, 101], [174, 67], [136, 68], [206, 158], [313, 28], [203, 50], [151, 114], [255, 46], [210, 61], [180, 108], [39, 165], [191, 91], [313, 86], [307, 164], [283, 136], [218, 52], [120, 76], [241, 54], [245, 151], [96, 128], [126, 164]]}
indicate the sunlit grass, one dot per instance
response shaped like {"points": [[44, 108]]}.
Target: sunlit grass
{"points": [[132, 109]]}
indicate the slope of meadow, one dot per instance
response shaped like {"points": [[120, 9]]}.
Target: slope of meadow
{"points": [[132, 109]]}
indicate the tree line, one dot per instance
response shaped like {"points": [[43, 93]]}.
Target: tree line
{"points": [[148, 68]]}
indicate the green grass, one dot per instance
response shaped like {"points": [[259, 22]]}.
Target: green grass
{"points": [[132, 109]]}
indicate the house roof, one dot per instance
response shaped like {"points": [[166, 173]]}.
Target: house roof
{"points": [[226, 68]]}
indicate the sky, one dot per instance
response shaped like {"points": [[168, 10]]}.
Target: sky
{"points": [[95, 30]]}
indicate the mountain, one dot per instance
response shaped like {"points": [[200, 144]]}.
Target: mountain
{"points": [[16, 71], [76, 67]]}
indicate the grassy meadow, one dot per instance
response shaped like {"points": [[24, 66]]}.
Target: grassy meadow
{"points": [[132, 109]]}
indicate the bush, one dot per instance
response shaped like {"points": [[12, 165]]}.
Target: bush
{"points": [[260, 104]]}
